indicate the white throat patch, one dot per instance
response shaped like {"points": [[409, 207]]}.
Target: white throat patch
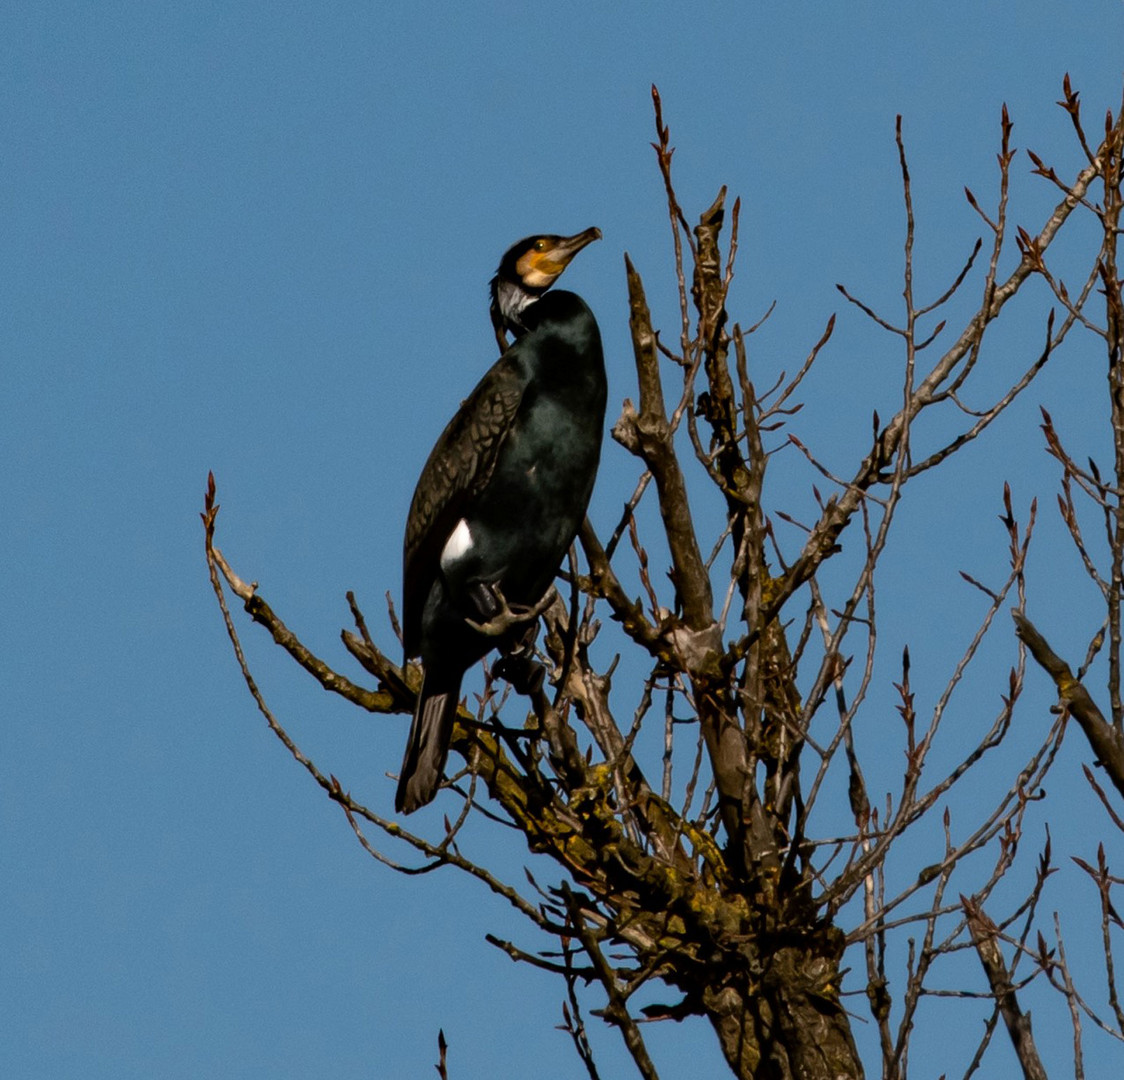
{"points": [[511, 301]]}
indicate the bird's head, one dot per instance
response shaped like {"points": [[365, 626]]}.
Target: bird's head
{"points": [[527, 270]]}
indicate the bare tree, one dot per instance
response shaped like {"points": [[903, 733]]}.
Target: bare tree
{"points": [[717, 867]]}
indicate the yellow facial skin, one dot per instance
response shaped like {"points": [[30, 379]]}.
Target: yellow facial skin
{"points": [[541, 264]]}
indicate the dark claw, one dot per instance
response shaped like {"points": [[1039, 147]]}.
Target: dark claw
{"points": [[484, 599], [525, 675], [504, 618]]}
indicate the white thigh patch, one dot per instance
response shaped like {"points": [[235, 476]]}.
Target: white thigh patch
{"points": [[457, 546]]}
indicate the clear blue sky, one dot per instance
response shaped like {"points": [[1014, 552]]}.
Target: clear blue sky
{"points": [[255, 238]]}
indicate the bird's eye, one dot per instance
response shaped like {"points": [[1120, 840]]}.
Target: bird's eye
{"points": [[540, 245]]}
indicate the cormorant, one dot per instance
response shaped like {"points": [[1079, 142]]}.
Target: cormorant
{"points": [[502, 494]]}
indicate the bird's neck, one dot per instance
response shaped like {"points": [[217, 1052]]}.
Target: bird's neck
{"points": [[509, 302]]}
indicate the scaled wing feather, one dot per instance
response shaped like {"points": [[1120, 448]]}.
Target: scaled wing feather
{"points": [[458, 468]]}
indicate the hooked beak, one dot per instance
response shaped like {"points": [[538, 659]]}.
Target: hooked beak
{"points": [[568, 246], [539, 267]]}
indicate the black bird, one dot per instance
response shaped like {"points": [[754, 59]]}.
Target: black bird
{"points": [[502, 495]]}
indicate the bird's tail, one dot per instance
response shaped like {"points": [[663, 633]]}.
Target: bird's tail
{"points": [[428, 745]]}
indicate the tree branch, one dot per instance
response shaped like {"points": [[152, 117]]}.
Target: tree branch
{"points": [[1102, 736], [984, 933]]}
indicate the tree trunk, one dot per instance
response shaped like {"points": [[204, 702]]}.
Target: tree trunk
{"points": [[785, 1021]]}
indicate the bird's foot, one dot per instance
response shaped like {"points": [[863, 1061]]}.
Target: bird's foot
{"points": [[506, 617], [525, 674]]}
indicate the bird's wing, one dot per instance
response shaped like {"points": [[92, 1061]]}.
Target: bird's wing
{"points": [[458, 467]]}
